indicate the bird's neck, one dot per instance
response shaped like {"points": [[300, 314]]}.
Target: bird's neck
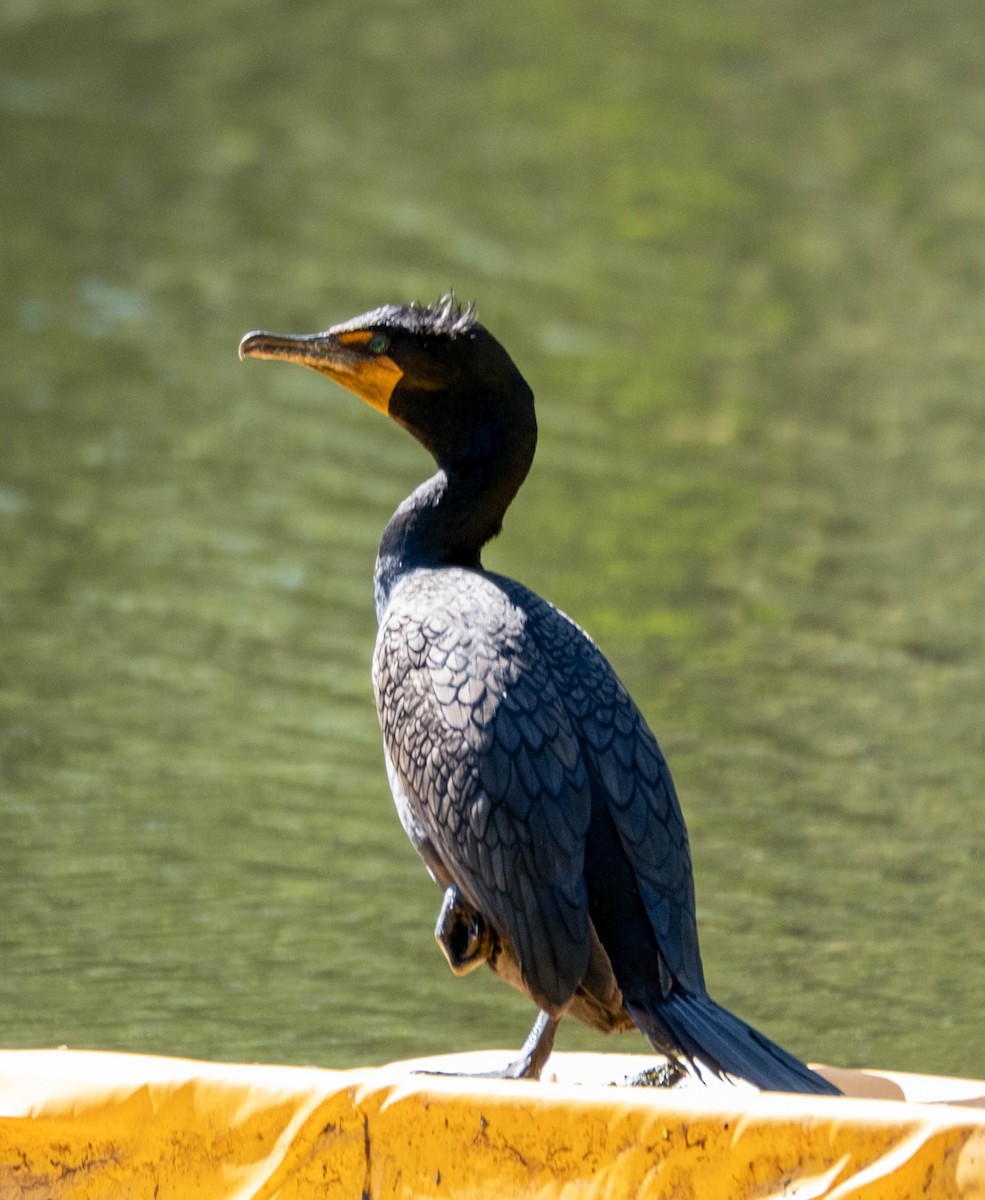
{"points": [[445, 522]]}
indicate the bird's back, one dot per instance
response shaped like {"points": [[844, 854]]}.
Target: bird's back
{"points": [[536, 782]]}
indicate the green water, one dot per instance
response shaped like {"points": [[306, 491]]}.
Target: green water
{"points": [[738, 249]]}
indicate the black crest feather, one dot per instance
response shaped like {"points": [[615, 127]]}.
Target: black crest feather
{"points": [[447, 318]]}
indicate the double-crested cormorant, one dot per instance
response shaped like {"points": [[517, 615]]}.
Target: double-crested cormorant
{"points": [[522, 771]]}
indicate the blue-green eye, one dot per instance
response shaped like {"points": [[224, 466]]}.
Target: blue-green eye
{"points": [[379, 343]]}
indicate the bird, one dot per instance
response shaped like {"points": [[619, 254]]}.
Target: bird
{"points": [[522, 771]]}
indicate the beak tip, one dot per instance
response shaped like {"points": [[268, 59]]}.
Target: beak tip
{"points": [[245, 348]]}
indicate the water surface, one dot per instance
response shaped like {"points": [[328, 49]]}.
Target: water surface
{"points": [[739, 252]]}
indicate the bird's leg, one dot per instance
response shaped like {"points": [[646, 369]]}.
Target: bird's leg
{"points": [[531, 1060], [534, 1052], [462, 933], [467, 942]]}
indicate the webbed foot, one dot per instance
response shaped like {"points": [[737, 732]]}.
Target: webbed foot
{"points": [[462, 933]]}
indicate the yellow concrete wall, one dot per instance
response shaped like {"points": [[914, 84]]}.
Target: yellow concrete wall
{"points": [[77, 1125]]}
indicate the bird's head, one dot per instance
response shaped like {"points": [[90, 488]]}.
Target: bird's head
{"points": [[433, 369]]}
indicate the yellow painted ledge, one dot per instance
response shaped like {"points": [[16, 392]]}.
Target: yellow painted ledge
{"points": [[77, 1124]]}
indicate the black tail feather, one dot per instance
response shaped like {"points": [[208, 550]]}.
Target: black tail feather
{"points": [[710, 1038]]}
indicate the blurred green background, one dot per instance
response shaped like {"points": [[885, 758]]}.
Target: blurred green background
{"points": [[737, 248]]}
